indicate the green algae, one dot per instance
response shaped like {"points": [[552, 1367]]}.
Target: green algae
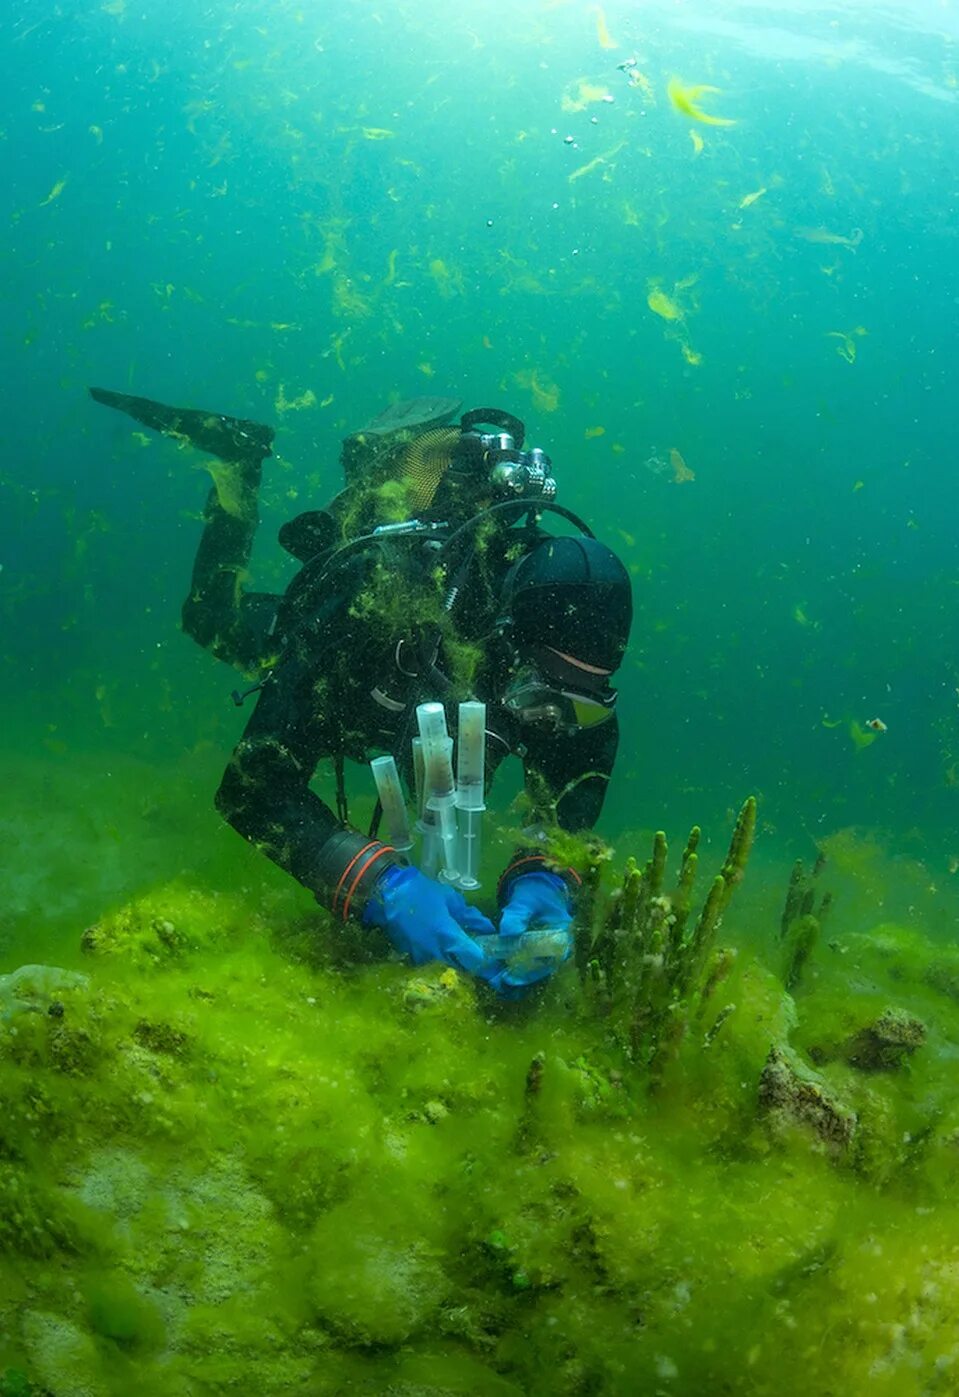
{"points": [[232, 1159]]}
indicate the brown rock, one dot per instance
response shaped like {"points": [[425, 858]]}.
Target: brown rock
{"points": [[886, 1043], [792, 1094]]}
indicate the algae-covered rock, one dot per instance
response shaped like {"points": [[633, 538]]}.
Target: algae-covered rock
{"points": [[119, 1312], [449, 1374], [169, 926], [887, 1042], [374, 1285], [36, 989], [792, 1094], [63, 1356], [901, 959]]}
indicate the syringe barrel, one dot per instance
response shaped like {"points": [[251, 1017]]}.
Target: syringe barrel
{"points": [[431, 721], [438, 754], [390, 792], [437, 749], [471, 756]]}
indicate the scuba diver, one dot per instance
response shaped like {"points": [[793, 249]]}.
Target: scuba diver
{"points": [[429, 577]]}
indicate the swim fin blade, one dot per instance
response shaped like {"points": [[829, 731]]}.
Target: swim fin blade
{"points": [[229, 438]]}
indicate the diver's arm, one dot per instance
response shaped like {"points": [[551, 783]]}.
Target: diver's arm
{"points": [[265, 792], [566, 777], [575, 770]]}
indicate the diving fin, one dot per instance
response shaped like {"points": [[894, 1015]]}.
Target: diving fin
{"points": [[229, 438]]}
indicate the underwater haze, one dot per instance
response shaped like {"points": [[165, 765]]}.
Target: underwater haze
{"points": [[708, 253]]}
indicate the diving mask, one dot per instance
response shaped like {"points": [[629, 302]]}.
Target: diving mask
{"points": [[531, 699]]}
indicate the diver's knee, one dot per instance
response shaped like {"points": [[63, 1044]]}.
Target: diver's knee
{"points": [[197, 622], [258, 769], [200, 622]]}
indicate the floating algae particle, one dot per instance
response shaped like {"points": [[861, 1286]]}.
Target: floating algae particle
{"points": [[55, 192], [681, 472], [860, 736], [448, 282], [285, 404], [846, 349], [748, 199], [637, 79], [578, 95], [685, 100], [823, 235], [348, 301], [598, 160], [602, 32], [662, 305], [544, 391]]}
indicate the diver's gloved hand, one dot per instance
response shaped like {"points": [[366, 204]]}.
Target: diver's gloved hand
{"points": [[429, 921], [538, 899], [538, 902]]}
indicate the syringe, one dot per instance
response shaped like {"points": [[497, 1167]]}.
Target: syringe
{"points": [[470, 789], [390, 792], [440, 808]]}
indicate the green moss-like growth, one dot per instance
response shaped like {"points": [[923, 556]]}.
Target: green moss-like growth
{"points": [[248, 1169], [803, 916], [645, 962]]}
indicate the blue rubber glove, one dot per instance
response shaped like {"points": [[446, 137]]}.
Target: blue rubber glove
{"points": [[427, 920], [536, 900]]}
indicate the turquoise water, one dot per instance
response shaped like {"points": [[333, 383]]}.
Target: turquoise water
{"points": [[734, 338]]}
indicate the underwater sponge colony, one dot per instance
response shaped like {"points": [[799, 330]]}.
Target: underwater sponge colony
{"points": [[225, 1168]]}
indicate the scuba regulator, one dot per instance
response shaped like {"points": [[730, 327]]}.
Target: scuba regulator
{"points": [[512, 473]]}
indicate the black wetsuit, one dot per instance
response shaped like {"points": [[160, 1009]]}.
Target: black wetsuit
{"points": [[340, 688]]}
